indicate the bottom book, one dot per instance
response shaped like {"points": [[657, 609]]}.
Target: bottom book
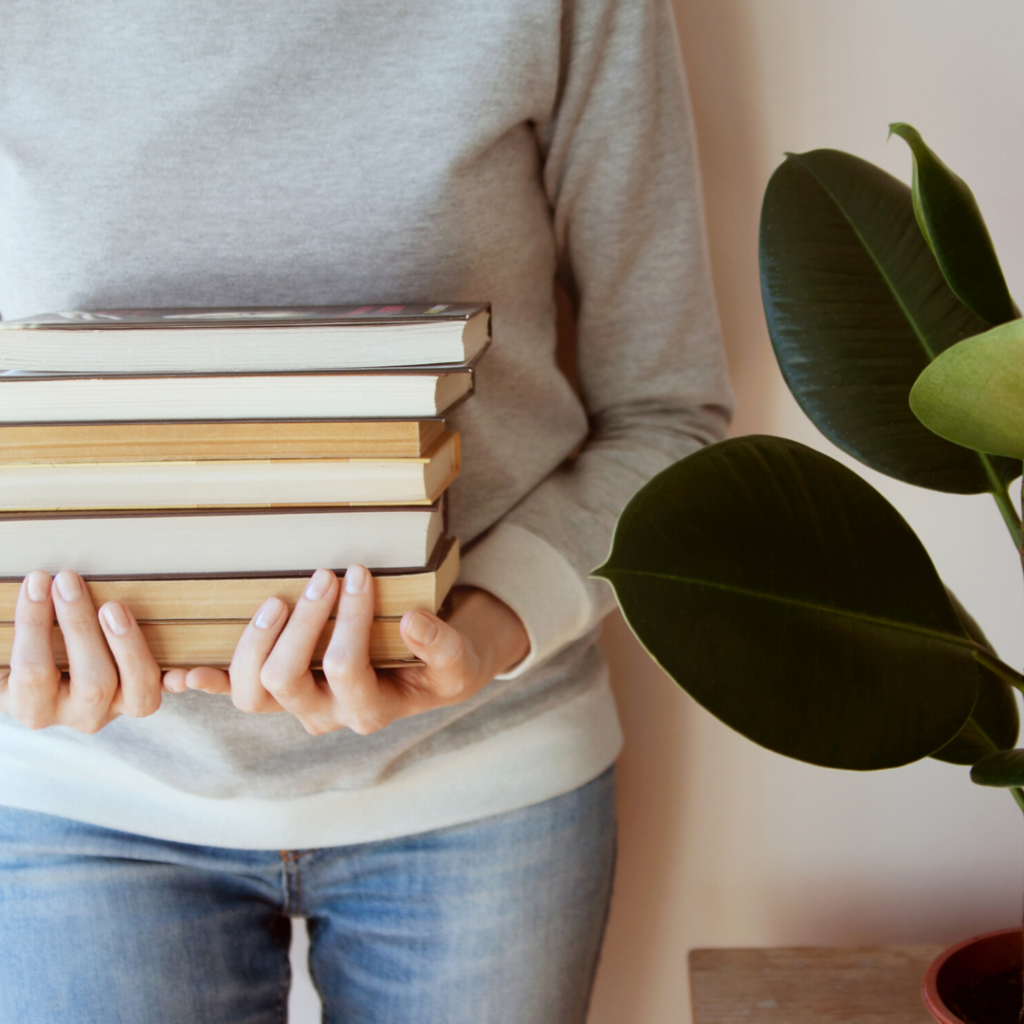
{"points": [[191, 642]]}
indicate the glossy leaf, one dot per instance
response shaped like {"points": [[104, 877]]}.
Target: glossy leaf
{"points": [[1004, 768], [857, 307], [790, 599], [973, 393], [955, 230], [994, 721]]}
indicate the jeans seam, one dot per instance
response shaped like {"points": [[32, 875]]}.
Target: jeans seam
{"points": [[283, 989], [286, 883]]}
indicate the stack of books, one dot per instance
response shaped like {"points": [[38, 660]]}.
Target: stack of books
{"points": [[190, 463]]}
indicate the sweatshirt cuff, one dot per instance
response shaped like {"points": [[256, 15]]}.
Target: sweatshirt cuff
{"points": [[537, 582]]}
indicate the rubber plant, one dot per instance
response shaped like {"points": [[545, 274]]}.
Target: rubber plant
{"points": [[778, 587], [775, 585]]}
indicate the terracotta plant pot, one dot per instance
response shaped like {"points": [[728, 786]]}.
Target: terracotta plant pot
{"points": [[983, 972]]}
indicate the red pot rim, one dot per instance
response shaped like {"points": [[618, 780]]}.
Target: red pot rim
{"points": [[929, 983]]}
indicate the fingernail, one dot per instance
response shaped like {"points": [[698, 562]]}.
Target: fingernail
{"points": [[116, 619], [319, 584], [268, 613], [38, 586], [355, 579], [68, 586], [421, 629]]}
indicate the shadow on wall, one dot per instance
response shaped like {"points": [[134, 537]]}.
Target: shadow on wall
{"points": [[653, 799], [719, 53], [664, 901]]}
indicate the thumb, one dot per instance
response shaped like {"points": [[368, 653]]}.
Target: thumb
{"points": [[449, 657]]}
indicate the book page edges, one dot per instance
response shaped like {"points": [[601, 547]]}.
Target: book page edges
{"points": [[224, 599], [187, 644], [213, 440], [430, 474]]}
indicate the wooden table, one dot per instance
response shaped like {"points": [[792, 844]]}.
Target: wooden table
{"points": [[870, 985]]}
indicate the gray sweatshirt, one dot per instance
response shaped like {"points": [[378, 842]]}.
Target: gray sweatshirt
{"points": [[205, 152]]}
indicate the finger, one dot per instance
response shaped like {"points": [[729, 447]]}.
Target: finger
{"points": [[90, 665], [252, 650], [5, 676], [451, 665], [140, 692], [34, 681], [174, 680], [349, 649], [208, 680], [286, 674], [365, 702]]}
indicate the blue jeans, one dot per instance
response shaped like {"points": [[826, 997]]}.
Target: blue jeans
{"points": [[495, 922]]}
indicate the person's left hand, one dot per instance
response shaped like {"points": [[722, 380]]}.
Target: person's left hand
{"points": [[270, 670]]}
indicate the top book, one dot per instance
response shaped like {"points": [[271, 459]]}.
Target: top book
{"points": [[245, 340]]}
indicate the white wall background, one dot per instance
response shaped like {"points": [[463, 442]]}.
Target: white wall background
{"points": [[723, 843]]}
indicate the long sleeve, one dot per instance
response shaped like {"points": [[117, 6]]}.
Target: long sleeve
{"points": [[620, 172]]}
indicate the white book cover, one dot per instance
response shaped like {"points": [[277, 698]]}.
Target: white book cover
{"points": [[282, 541], [252, 339], [29, 397]]}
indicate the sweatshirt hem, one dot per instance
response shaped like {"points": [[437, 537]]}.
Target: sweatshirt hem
{"points": [[554, 753]]}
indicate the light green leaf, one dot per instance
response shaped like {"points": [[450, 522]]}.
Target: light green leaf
{"points": [[973, 394]]}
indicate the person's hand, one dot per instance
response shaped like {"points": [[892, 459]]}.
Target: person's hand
{"points": [[111, 669], [271, 672]]}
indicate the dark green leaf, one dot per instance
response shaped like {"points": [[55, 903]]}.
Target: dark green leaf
{"points": [[790, 599], [951, 222], [994, 722], [973, 394], [857, 307], [1005, 768]]}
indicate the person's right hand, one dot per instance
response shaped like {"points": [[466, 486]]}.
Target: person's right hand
{"points": [[111, 669]]}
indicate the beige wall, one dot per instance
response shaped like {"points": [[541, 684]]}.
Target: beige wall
{"points": [[723, 843]]}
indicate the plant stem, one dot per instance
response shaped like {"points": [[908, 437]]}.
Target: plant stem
{"points": [[1000, 668], [1015, 791], [1002, 499]]}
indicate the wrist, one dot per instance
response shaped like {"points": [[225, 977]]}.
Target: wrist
{"points": [[496, 632]]}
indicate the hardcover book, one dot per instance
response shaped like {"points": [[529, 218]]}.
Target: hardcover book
{"points": [[239, 483], [215, 340], [211, 597], [182, 441], [198, 642], [227, 598], [396, 393], [242, 542]]}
